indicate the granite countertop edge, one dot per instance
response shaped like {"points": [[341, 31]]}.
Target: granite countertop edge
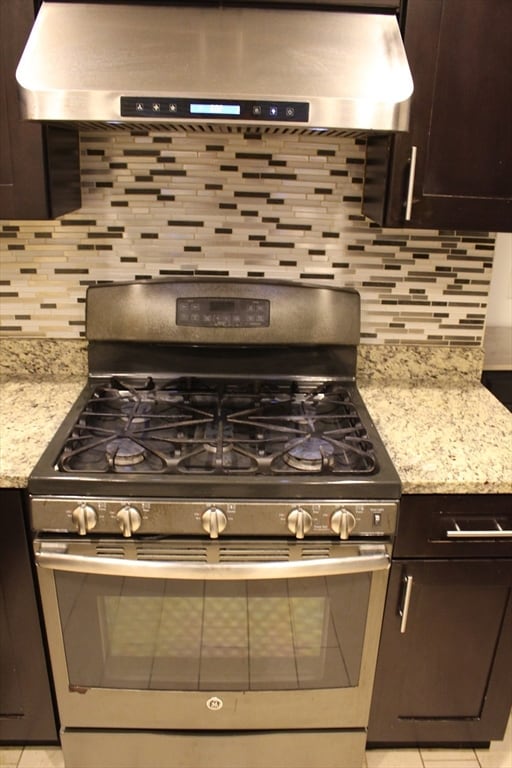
{"points": [[442, 437]]}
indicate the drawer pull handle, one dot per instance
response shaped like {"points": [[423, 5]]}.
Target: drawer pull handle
{"points": [[498, 533]]}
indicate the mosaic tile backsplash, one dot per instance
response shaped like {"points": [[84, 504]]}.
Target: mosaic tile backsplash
{"points": [[268, 205]]}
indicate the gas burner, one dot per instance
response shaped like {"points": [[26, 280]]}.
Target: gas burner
{"points": [[215, 441], [124, 452], [310, 455]]}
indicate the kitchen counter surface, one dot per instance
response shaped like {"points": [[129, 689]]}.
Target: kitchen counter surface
{"points": [[442, 438], [446, 438], [31, 409]]}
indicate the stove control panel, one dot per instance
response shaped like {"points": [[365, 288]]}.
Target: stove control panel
{"points": [[223, 313], [214, 518]]}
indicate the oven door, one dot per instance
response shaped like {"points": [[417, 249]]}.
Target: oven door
{"points": [[207, 635]]}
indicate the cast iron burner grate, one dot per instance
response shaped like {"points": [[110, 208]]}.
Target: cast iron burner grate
{"points": [[189, 425]]}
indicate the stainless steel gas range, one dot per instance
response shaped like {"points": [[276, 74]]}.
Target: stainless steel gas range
{"points": [[213, 527]]}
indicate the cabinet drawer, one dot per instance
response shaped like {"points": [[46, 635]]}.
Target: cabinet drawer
{"points": [[454, 525]]}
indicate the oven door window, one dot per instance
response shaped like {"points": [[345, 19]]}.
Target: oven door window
{"points": [[219, 635]]}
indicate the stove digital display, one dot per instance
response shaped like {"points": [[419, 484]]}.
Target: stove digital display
{"points": [[223, 313], [220, 305]]}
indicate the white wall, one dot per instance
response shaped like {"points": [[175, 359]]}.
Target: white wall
{"points": [[499, 311]]}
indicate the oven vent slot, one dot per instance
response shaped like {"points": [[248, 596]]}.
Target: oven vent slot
{"points": [[253, 554], [267, 554], [315, 551], [106, 549], [192, 554]]}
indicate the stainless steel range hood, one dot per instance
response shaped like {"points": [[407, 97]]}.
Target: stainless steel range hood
{"points": [[223, 66]]}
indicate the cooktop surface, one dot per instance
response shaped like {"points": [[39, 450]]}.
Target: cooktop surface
{"points": [[244, 436]]}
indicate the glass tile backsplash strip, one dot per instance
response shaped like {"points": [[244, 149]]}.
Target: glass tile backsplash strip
{"points": [[277, 206]]}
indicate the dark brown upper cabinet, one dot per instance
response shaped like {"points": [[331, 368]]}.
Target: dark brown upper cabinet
{"points": [[461, 115], [39, 165]]}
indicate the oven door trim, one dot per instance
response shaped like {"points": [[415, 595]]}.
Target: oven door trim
{"points": [[242, 710]]}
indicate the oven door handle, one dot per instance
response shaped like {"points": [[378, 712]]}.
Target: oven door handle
{"points": [[378, 560]]}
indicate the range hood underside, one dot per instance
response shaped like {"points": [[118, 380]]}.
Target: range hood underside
{"points": [[290, 70]]}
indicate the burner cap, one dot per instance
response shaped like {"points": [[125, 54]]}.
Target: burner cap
{"points": [[311, 454], [211, 438], [124, 452]]}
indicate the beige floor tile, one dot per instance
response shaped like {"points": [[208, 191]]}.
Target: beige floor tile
{"points": [[439, 755], [393, 758], [495, 757], [33, 757], [9, 756], [499, 754], [451, 761]]}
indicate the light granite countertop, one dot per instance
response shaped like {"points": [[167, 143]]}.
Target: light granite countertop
{"points": [[445, 438], [442, 438], [30, 412]]}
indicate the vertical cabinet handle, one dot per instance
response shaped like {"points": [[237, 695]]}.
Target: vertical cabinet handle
{"points": [[410, 186], [405, 602]]}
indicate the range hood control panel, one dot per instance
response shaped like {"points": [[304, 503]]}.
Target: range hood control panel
{"points": [[169, 108]]}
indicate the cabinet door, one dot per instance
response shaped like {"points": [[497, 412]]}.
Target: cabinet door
{"points": [[500, 384], [444, 671], [26, 707], [39, 166], [461, 59]]}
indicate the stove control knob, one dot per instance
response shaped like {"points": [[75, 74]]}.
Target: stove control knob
{"points": [[299, 522], [129, 520], [343, 523], [85, 518], [214, 521]]}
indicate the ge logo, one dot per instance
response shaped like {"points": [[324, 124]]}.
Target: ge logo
{"points": [[214, 703]]}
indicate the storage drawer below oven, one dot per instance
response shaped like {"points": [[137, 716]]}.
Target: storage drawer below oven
{"points": [[194, 749]]}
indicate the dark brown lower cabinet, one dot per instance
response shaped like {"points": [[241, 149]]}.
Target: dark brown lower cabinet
{"points": [[26, 705], [444, 672], [500, 384]]}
